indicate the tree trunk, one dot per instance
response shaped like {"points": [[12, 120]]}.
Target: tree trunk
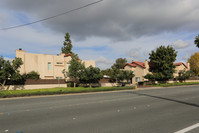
{"points": [[3, 85], [74, 84], [90, 85]]}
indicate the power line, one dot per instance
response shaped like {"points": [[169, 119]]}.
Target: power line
{"points": [[17, 26]]}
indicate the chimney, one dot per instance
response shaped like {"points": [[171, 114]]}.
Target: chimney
{"points": [[146, 63], [188, 66]]}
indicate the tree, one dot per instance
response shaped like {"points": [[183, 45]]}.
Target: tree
{"points": [[67, 48], [150, 77], [9, 71], [126, 75], [197, 41], [194, 63], [115, 74], [106, 72], [90, 75], [75, 68], [119, 63], [183, 75], [163, 63]]}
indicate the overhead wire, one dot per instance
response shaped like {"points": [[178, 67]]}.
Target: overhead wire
{"points": [[51, 17]]}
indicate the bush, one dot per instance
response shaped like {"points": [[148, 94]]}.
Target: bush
{"points": [[183, 75], [32, 75]]}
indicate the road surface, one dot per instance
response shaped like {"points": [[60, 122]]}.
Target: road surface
{"points": [[163, 110]]}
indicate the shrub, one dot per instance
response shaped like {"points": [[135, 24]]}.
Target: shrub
{"points": [[32, 75]]}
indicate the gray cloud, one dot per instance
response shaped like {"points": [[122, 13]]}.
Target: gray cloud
{"points": [[179, 44], [135, 54], [104, 63], [117, 20]]}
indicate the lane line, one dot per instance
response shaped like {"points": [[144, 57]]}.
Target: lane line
{"points": [[188, 128]]}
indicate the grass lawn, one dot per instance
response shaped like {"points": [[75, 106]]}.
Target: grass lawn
{"points": [[175, 84], [58, 90]]}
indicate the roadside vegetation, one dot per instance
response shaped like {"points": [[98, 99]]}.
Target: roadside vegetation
{"points": [[174, 84], [58, 90]]}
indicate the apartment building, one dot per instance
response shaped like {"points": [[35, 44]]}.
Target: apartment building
{"points": [[140, 69], [48, 66]]}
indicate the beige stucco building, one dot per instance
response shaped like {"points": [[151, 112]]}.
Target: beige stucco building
{"points": [[48, 66], [180, 67], [140, 69]]}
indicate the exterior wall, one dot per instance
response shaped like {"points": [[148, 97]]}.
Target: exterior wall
{"points": [[48, 66], [146, 70], [89, 63], [28, 87], [185, 81], [178, 69], [109, 84], [127, 67], [139, 73]]}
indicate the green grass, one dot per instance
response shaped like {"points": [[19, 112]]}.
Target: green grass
{"points": [[58, 90], [176, 84]]}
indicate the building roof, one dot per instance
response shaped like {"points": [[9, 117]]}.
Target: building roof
{"points": [[133, 65], [151, 64], [141, 64], [180, 63], [66, 55]]}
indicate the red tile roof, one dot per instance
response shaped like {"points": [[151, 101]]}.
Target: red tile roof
{"points": [[66, 55], [141, 64], [180, 63], [133, 65], [151, 64]]}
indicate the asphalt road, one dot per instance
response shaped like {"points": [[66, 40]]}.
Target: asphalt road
{"points": [[164, 110]]}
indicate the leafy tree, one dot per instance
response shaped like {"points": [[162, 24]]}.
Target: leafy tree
{"points": [[119, 63], [75, 69], [163, 63], [125, 75], [32, 75], [115, 74], [197, 41], [150, 77], [90, 75], [194, 63], [183, 75], [67, 48], [106, 72], [9, 71]]}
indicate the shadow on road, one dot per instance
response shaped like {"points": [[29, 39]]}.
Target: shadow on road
{"points": [[168, 99]]}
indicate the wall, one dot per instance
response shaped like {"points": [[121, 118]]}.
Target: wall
{"points": [[139, 72], [178, 68], [110, 84], [39, 63], [185, 81], [28, 87]]}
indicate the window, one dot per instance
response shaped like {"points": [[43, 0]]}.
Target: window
{"points": [[59, 78], [176, 71], [67, 67], [137, 79], [49, 65], [59, 63]]}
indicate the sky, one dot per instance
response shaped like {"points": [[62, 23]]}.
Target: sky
{"points": [[102, 32]]}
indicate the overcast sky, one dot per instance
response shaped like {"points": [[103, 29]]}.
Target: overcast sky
{"points": [[102, 32]]}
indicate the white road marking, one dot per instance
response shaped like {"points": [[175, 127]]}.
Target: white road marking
{"points": [[188, 128]]}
